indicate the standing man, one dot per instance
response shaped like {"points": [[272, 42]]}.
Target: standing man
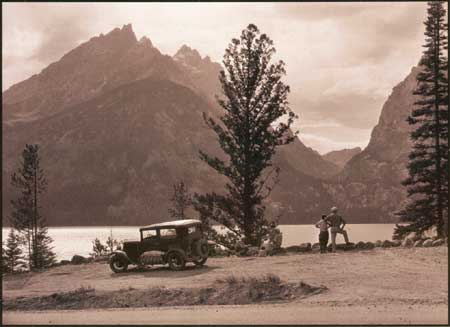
{"points": [[337, 224]]}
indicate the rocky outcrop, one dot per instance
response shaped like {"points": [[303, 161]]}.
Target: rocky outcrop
{"points": [[370, 183], [78, 259]]}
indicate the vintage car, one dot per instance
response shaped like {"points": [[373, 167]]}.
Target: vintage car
{"points": [[174, 243]]}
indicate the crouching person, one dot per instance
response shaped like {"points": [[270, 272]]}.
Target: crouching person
{"points": [[272, 242]]}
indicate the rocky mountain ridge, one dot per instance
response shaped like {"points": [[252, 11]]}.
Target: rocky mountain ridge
{"points": [[341, 157], [370, 183], [119, 122]]}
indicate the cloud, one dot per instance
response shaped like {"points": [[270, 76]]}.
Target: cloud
{"points": [[342, 59]]}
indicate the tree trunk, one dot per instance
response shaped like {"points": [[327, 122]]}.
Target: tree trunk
{"points": [[440, 220]]}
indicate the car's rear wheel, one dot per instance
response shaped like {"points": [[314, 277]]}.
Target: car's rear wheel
{"points": [[117, 265], [200, 262], [176, 260], [201, 248]]}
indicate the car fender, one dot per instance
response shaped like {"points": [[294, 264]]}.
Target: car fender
{"points": [[122, 255]]}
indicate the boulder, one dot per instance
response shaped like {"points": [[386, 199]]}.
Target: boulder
{"points": [[378, 243], [293, 248], [360, 245], [369, 245], [78, 259], [438, 242], [418, 243], [386, 244], [305, 247], [396, 243], [413, 236], [407, 242], [262, 253], [315, 247], [342, 246], [346, 247], [218, 250], [427, 243], [253, 251]]}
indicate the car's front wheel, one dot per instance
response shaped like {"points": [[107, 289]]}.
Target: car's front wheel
{"points": [[117, 265], [176, 260]]}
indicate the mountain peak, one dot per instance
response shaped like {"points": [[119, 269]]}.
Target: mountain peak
{"points": [[124, 33], [188, 56], [146, 41]]}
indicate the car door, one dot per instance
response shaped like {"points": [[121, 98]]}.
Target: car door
{"points": [[168, 238], [150, 240]]}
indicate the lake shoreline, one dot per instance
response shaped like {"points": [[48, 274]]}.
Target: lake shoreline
{"points": [[69, 241]]}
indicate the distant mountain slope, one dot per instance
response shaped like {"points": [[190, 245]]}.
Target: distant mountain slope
{"points": [[370, 183], [341, 157], [110, 158]]}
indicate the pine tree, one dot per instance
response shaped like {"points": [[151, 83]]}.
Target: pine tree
{"points": [[256, 120], [181, 201], [13, 255], [30, 182], [427, 184], [44, 256], [4, 265]]}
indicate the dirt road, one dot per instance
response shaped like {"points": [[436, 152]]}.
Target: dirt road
{"points": [[395, 285], [249, 314]]}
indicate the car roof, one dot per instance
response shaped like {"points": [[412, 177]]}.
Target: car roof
{"points": [[174, 224]]}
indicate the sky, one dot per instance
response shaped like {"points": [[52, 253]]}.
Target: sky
{"points": [[342, 59]]}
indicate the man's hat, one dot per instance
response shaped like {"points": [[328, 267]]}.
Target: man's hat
{"points": [[334, 209]]}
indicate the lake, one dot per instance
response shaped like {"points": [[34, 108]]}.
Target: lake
{"points": [[69, 241]]}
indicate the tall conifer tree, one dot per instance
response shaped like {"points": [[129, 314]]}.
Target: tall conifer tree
{"points": [[181, 201], [30, 181], [256, 120], [427, 184]]}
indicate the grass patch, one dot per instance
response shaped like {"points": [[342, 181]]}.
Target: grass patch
{"points": [[226, 291]]}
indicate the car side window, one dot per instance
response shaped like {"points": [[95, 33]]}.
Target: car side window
{"points": [[168, 233], [192, 230], [148, 234]]}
